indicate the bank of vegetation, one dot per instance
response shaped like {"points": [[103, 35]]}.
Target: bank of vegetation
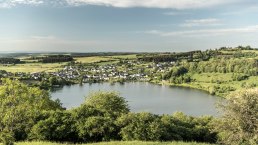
{"points": [[29, 114], [116, 143]]}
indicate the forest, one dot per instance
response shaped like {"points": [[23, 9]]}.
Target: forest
{"points": [[56, 58], [9, 61]]}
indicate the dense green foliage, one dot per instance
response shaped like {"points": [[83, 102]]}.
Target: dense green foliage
{"points": [[149, 127], [224, 65], [95, 118], [56, 58], [239, 125], [9, 61], [140, 126], [20, 106], [197, 56], [115, 143], [56, 126], [167, 57]]}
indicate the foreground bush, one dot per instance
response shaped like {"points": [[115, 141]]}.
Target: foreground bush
{"points": [[116, 143], [149, 127], [20, 105], [96, 117], [182, 127], [140, 126], [58, 126], [239, 125]]}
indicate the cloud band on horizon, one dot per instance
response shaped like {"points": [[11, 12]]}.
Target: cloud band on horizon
{"points": [[173, 4]]}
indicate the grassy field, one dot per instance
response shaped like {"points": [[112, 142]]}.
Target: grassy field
{"points": [[92, 59], [32, 67], [205, 81], [114, 143], [50, 67], [131, 56]]}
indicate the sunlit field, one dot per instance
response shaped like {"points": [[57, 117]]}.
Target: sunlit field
{"points": [[32, 67]]}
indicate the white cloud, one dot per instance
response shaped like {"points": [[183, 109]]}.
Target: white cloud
{"points": [[202, 22], [13, 3], [43, 37], [175, 4], [176, 13], [207, 32]]}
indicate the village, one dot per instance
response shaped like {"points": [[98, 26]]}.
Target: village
{"points": [[128, 70]]}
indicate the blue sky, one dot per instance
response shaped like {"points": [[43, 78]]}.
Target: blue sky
{"points": [[126, 25]]}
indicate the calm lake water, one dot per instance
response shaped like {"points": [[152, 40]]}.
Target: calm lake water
{"points": [[145, 97]]}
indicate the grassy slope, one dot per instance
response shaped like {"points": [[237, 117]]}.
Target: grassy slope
{"points": [[115, 143], [204, 81]]}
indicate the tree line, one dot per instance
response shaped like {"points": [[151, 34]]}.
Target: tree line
{"points": [[56, 58], [197, 56], [9, 61], [223, 65]]}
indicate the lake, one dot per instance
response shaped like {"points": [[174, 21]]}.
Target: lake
{"points": [[141, 96]]}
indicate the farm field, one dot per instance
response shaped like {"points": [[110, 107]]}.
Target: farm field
{"points": [[92, 59], [131, 56], [32, 67]]}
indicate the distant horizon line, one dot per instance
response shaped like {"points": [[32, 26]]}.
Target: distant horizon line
{"points": [[6, 52]]}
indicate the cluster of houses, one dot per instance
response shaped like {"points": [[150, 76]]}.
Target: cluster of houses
{"points": [[128, 70], [99, 73], [5, 74]]}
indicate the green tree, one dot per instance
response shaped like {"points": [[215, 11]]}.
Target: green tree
{"points": [[110, 103], [186, 128], [58, 126], [97, 128], [140, 126], [7, 137], [95, 118], [53, 81], [20, 105], [239, 124]]}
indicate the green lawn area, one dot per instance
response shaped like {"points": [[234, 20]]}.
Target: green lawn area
{"points": [[115, 143], [206, 80], [32, 67], [208, 77]]}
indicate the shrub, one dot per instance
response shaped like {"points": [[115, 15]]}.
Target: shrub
{"points": [[95, 118], [20, 106], [239, 124], [59, 126], [140, 126]]}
